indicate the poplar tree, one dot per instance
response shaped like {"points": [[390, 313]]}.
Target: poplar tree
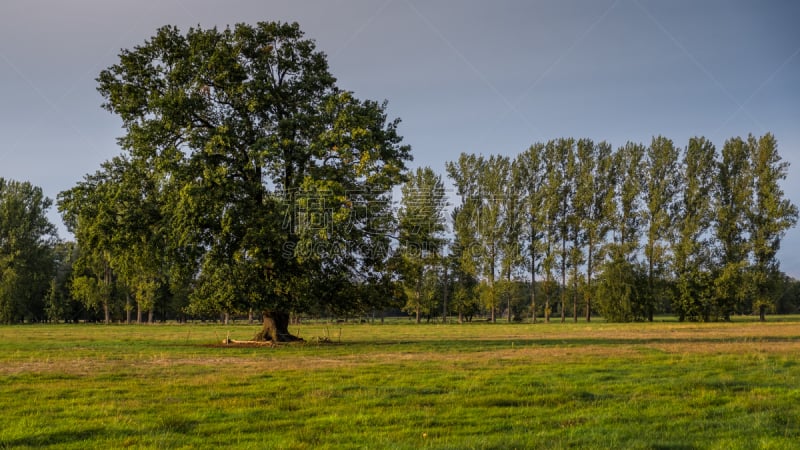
{"points": [[561, 192], [483, 185], [597, 183], [421, 222], [628, 221], [512, 225], [619, 288], [660, 190], [733, 190], [461, 262], [553, 221], [493, 178], [770, 216], [692, 258], [529, 169], [583, 187], [466, 247]]}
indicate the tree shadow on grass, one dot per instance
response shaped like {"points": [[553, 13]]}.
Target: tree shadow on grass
{"points": [[55, 438], [168, 424]]}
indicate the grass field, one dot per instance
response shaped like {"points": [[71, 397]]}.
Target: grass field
{"points": [[659, 386]]}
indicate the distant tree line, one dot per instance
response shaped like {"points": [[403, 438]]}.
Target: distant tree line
{"points": [[567, 228]]}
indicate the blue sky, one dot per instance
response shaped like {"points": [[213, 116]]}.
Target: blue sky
{"points": [[464, 76]]}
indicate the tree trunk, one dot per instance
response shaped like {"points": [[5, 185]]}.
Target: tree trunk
{"points": [[547, 294], [492, 292], [276, 328], [508, 293], [651, 283], [444, 295], [418, 297], [575, 300], [533, 285], [107, 283], [563, 296], [588, 294], [762, 313]]}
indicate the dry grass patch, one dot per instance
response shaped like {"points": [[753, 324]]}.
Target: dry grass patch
{"points": [[789, 347], [154, 348]]}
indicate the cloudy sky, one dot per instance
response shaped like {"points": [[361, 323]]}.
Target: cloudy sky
{"points": [[463, 75]]}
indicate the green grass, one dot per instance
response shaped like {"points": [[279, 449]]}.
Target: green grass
{"points": [[656, 386]]}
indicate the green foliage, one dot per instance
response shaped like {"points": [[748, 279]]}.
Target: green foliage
{"points": [[770, 216], [465, 248], [691, 249], [620, 290], [789, 300], [733, 194], [118, 219], [628, 162], [661, 188], [27, 239], [559, 204], [90, 291], [486, 219], [702, 233], [529, 172], [491, 217], [598, 179], [463, 282], [514, 299], [695, 298], [60, 305], [260, 176], [421, 226]]}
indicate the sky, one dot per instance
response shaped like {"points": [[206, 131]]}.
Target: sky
{"points": [[489, 77]]}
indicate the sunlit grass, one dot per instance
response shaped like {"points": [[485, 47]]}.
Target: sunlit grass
{"points": [[597, 385]]}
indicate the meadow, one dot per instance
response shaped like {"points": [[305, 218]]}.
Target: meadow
{"points": [[588, 385]]}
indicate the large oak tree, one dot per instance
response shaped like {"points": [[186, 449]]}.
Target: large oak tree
{"points": [[280, 180]]}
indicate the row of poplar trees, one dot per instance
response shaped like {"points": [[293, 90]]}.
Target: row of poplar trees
{"points": [[628, 233]]}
